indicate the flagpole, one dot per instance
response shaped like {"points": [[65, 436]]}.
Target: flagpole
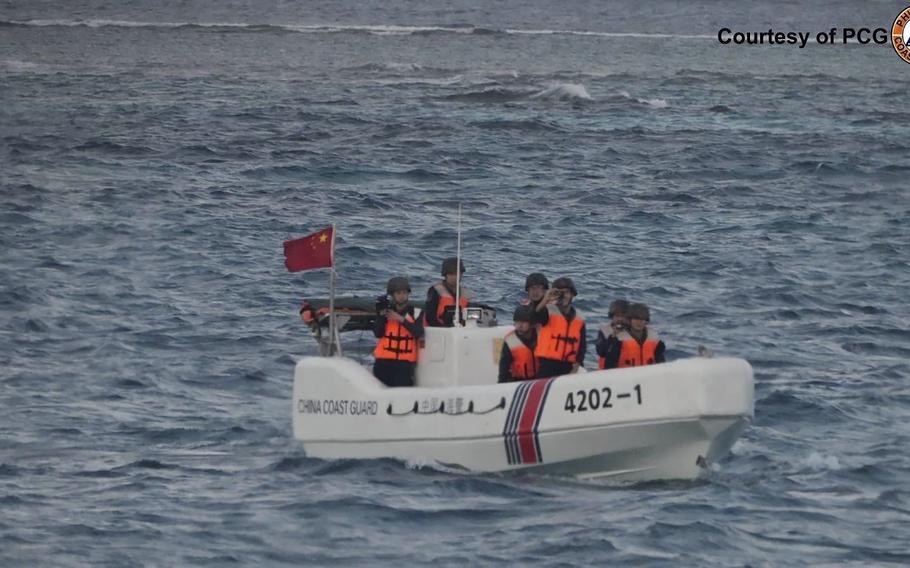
{"points": [[457, 322], [334, 345]]}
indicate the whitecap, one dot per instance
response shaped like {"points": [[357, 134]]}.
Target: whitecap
{"points": [[425, 463], [403, 67], [563, 92], [17, 65], [654, 103], [376, 29], [607, 34], [444, 81], [99, 23], [342, 28], [819, 462]]}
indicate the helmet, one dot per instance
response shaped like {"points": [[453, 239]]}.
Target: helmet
{"points": [[639, 311], [449, 264], [398, 283], [536, 279], [565, 282], [523, 313], [619, 308]]}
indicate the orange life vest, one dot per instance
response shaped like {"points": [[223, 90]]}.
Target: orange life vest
{"points": [[560, 338], [635, 354], [524, 363], [607, 331], [446, 299], [397, 343]]}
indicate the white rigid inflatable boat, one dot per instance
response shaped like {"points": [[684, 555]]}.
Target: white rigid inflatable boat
{"points": [[666, 421]]}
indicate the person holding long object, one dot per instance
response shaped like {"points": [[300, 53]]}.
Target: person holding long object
{"points": [[561, 342], [399, 332]]}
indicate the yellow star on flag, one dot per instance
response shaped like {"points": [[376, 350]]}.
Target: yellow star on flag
{"points": [[311, 251]]}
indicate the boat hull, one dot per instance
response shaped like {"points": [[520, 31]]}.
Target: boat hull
{"points": [[666, 421]]}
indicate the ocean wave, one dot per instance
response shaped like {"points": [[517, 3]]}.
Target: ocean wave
{"points": [[688, 77], [386, 67], [442, 81], [785, 405], [641, 35], [113, 148], [9, 470], [563, 92], [378, 29], [559, 92], [530, 125], [819, 462], [149, 464], [23, 144], [150, 316], [493, 95], [655, 103], [29, 67]]}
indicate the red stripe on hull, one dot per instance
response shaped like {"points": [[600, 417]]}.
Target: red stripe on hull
{"points": [[526, 434]]}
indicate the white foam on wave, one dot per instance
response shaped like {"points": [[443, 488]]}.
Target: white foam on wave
{"points": [[375, 29], [340, 28], [109, 23], [818, 462], [563, 92], [655, 103], [608, 34], [302, 28], [423, 463], [402, 67], [443, 81], [744, 447], [17, 65]]}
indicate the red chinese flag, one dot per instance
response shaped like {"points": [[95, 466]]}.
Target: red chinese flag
{"points": [[309, 252]]}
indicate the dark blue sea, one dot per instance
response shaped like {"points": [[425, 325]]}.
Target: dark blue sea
{"points": [[154, 156]]}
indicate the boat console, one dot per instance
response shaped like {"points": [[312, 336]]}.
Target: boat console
{"points": [[461, 356]]}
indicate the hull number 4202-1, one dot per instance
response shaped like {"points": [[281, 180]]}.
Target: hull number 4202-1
{"points": [[594, 399]]}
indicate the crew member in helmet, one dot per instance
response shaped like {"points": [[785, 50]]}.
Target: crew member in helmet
{"points": [[561, 342], [606, 337], [440, 307], [638, 345], [517, 361], [536, 285], [398, 331]]}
